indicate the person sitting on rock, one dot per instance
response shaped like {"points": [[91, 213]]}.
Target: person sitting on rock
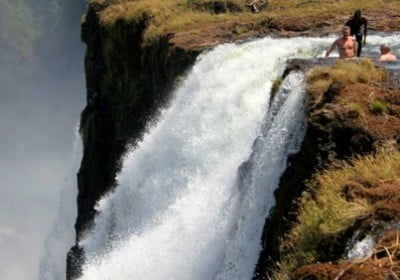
{"points": [[346, 44], [355, 24], [386, 54]]}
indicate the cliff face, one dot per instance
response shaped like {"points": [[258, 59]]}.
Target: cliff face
{"points": [[126, 83], [342, 123]]}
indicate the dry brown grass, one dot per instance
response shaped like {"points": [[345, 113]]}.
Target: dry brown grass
{"points": [[325, 212], [344, 73], [175, 15], [383, 263]]}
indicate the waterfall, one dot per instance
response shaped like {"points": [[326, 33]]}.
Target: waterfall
{"points": [[193, 194], [284, 130]]}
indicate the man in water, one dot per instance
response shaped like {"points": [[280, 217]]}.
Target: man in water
{"points": [[355, 24], [346, 45], [386, 54]]}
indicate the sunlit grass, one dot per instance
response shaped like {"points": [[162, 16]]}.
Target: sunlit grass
{"points": [[343, 72], [177, 15], [378, 107], [324, 212]]}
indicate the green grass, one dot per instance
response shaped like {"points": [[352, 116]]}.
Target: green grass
{"points": [[324, 213], [378, 107]]}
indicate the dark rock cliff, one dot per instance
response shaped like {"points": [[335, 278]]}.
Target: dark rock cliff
{"points": [[126, 83]]}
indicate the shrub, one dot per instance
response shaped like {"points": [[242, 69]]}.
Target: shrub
{"points": [[377, 107]]}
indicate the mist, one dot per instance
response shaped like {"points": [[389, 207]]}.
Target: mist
{"points": [[42, 92]]}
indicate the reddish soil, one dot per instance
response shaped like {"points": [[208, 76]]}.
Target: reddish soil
{"points": [[383, 264], [383, 126], [384, 199], [202, 35]]}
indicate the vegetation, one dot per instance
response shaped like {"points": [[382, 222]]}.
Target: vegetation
{"points": [[378, 107], [342, 74], [356, 107], [187, 15], [324, 211]]}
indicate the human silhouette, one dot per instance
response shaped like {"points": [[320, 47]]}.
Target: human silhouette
{"points": [[355, 24]]}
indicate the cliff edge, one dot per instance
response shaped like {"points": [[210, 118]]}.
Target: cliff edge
{"points": [[343, 183], [136, 52]]}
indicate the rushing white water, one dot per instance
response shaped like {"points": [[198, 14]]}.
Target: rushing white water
{"points": [[62, 235], [362, 249], [283, 133], [180, 211]]}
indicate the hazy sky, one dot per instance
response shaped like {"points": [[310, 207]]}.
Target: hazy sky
{"points": [[39, 110]]}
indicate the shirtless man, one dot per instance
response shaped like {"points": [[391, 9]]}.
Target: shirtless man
{"points": [[386, 54], [346, 44], [355, 24]]}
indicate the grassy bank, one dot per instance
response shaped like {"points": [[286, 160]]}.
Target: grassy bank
{"points": [[189, 16], [335, 200]]}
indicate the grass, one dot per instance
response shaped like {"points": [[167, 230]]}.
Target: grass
{"points": [[177, 15], [378, 107], [343, 73], [324, 213], [356, 107]]}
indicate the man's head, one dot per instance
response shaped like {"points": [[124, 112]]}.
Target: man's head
{"points": [[357, 14], [346, 31], [385, 49]]}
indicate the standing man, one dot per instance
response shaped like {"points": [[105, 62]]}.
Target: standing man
{"points": [[355, 24], [346, 45]]}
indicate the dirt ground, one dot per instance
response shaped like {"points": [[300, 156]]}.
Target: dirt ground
{"points": [[213, 33]]}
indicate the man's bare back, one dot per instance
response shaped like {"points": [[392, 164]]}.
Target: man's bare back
{"points": [[346, 44]]}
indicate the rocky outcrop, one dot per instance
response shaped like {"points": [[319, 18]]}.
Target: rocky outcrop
{"points": [[126, 83], [337, 130]]}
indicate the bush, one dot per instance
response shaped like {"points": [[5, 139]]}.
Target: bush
{"points": [[377, 107]]}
